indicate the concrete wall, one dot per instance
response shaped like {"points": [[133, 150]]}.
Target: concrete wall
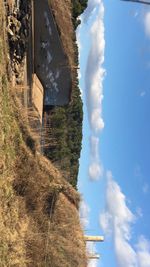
{"points": [[37, 95]]}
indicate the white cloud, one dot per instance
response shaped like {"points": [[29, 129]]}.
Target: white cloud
{"points": [[143, 252], [126, 256], [79, 51], [93, 263], [95, 73], [94, 147], [96, 120], [95, 167], [119, 215], [147, 23], [116, 221], [84, 213], [95, 171], [91, 8], [78, 39]]}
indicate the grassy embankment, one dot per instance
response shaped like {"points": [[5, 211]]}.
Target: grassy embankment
{"points": [[39, 222]]}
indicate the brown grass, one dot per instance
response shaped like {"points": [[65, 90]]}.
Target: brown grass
{"points": [[62, 11], [54, 237], [39, 221], [63, 16]]}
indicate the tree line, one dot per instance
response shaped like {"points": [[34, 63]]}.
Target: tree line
{"points": [[78, 7]]}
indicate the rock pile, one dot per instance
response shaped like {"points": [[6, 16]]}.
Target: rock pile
{"points": [[18, 33]]}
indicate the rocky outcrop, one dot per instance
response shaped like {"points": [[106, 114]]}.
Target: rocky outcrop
{"points": [[18, 18]]}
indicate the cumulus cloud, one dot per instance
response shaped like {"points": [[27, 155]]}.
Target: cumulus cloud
{"points": [[143, 252], [94, 147], [84, 214], [93, 263], [95, 73], [147, 23], [91, 8], [118, 214], [78, 40], [95, 171], [116, 221], [95, 167], [79, 47]]}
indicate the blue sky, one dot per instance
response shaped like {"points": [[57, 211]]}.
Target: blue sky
{"points": [[114, 41]]}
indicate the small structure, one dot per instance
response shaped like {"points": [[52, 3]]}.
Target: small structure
{"points": [[94, 238], [91, 238], [94, 256], [37, 96]]}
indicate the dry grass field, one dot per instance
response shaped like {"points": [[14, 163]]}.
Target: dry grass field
{"points": [[63, 16], [39, 221]]}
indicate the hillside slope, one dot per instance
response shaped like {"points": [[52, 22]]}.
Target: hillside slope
{"points": [[39, 221]]}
